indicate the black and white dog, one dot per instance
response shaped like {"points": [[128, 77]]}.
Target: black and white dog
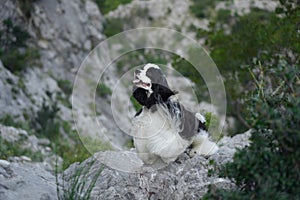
{"points": [[163, 127]]}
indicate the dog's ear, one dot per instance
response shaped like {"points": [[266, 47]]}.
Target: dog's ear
{"points": [[140, 95], [163, 91]]}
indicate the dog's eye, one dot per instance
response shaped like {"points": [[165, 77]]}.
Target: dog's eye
{"points": [[148, 84]]}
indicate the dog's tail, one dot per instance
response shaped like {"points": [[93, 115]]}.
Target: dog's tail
{"points": [[201, 144]]}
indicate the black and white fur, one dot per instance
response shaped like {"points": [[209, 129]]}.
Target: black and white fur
{"points": [[163, 127]]}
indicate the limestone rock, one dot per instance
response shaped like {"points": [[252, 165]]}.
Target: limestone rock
{"points": [[186, 178], [25, 181]]}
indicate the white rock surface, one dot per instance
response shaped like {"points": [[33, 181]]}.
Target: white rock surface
{"points": [[26, 181], [186, 178]]}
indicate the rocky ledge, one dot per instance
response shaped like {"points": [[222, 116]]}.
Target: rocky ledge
{"points": [[187, 178]]}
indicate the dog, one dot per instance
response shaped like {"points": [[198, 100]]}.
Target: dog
{"points": [[163, 128]]}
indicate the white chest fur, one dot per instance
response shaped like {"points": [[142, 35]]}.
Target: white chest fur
{"points": [[157, 136]]}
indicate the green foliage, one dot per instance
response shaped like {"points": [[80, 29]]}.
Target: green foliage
{"points": [[200, 8], [9, 149], [129, 144], [106, 6], [70, 151], [203, 8], [64, 100], [81, 185], [65, 141], [8, 120], [188, 70], [253, 35], [27, 7], [212, 121], [269, 167], [14, 53], [103, 90], [66, 86], [112, 27], [12, 36], [235, 42], [140, 57], [135, 104], [16, 60], [95, 145], [45, 123]]}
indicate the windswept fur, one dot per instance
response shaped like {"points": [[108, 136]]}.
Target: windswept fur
{"points": [[163, 128]]}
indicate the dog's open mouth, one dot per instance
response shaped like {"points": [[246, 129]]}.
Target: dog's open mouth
{"points": [[139, 82]]}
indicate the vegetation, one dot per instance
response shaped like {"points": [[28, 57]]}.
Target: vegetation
{"points": [[103, 90], [66, 86], [27, 7], [112, 27], [135, 104], [269, 167], [64, 140], [81, 185], [202, 8], [235, 42], [140, 57], [106, 6], [212, 121], [9, 149], [186, 69], [8, 120], [14, 53], [47, 124]]}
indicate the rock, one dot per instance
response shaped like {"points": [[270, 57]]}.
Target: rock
{"points": [[13, 100], [36, 145], [12, 134], [25, 159], [229, 145], [25, 181], [4, 163], [186, 178]]}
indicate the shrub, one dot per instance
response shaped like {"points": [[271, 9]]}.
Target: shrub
{"points": [[9, 120], [27, 7], [188, 70], [14, 53], [258, 35], [106, 6], [269, 167], [140, 57], [202, 8], [80, 184], [9, 149], [16, 60], [112, 27], [103, 90], [66, 86], [45, 122]]}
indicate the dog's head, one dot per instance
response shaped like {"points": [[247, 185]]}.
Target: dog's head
{"points": [[148, 76]]}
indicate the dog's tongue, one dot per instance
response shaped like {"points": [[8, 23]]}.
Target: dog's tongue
{"points": [[136, 81]]}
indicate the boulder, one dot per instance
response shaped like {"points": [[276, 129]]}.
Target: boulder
{"points": [[26, 181], [186, 178]]}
